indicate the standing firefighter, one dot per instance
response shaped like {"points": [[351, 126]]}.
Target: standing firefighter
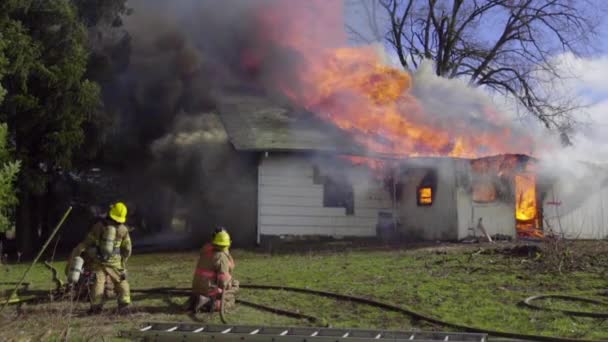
{"points": [[107, 248], [213, 275]]}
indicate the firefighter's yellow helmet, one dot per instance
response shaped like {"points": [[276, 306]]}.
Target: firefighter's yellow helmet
{"points": [[118, 212], [221, 238]]}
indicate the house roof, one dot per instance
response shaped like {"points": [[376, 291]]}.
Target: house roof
{"points": [[255, 123]]}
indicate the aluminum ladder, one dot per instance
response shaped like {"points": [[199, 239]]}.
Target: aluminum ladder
{"points": [[217, 333]]}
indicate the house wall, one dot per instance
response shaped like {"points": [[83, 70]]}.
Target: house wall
{"points": [[290, 203], [497, 217], [575, 214], [438, 221]]}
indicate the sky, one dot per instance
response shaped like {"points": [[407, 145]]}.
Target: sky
{"points": [[591, 83]]}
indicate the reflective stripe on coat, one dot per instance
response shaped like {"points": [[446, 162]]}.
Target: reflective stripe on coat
{"points": [[213, 271]]}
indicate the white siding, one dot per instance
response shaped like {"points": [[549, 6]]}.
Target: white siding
{"points": [[438, 221], [496, 217], [577, 215], [291, 204]]}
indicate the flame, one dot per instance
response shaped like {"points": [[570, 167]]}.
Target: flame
{"points": [[353, 89], [525, 196], [425, 196]]}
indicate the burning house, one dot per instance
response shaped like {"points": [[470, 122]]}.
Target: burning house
{"points": [[314, 179], [335, 141]]}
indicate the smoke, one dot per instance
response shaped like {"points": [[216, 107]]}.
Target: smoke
{"points": [[187, 54], [453, 105], [183, 55]]}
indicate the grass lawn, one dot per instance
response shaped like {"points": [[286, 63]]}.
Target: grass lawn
{"points": [[452, 283]]}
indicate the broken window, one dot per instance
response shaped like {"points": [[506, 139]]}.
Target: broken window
{"points": [[425, 196], [338, 193], [425, 193]]}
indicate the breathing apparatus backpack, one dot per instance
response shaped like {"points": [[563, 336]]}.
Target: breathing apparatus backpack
{"points": [[76, 269], [105, 245]]}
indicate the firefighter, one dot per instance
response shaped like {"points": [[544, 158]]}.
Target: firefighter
{"points": [[107, 248], [213, 275]]}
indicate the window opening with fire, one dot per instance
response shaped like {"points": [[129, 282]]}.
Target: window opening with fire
{"points": [[425, 192], [425, 196]]}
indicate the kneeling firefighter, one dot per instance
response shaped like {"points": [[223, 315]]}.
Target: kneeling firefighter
{"points": [[107, 248], [213, 275]]}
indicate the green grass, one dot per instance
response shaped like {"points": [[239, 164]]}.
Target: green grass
{"points": [[482, 290]]}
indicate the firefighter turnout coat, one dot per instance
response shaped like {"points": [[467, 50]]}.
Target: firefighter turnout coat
{"points": [[107, 266], [213, 272]]}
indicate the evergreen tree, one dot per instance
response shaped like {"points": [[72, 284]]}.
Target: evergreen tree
{"points": [[48, 99], [8, 169]]}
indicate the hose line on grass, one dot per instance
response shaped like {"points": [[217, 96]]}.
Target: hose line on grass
{"points": [[360, 300], [282, 312], [382, 305], [528, 302]]}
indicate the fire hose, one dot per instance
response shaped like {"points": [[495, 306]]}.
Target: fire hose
{"points": [[360, 300], [223, 306], [366, 301], [528, 302]]}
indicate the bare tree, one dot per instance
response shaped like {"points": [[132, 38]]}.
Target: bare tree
{"points": [[505, 45]]}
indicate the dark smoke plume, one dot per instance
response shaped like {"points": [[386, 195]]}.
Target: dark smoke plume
{"points": [[168, 138]]}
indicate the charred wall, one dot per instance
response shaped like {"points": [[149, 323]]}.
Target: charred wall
{"points": [[437, 221]]}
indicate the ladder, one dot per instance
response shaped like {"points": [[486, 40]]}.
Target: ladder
{"points": [[217, 333]]}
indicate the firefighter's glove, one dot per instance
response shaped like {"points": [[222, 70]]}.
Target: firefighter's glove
{"points": [[123, 275]]}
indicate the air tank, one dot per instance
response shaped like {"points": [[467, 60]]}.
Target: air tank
{"points": [[106, 245], [75, 269]]}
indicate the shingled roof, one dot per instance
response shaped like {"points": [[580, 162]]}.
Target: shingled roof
{"points": [[255, 123]]}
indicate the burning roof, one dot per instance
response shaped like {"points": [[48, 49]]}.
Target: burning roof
{"points": [[256, 123], [352, 88]]}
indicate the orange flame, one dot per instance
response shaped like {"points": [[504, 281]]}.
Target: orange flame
{"points": [[353, 89], [425, 196], [525, 197], [526, 210]]}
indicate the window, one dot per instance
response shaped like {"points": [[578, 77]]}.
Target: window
{"points": [[425, 196], [338, 193], [425, 192]]}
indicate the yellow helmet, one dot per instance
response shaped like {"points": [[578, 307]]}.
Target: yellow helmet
{"points": [[221, 238], [118, 212]]}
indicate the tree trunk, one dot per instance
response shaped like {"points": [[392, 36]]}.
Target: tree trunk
{"points": [[25, 228]]}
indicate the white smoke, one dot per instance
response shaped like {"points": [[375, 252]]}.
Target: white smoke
{"points": [[454, 98]]}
